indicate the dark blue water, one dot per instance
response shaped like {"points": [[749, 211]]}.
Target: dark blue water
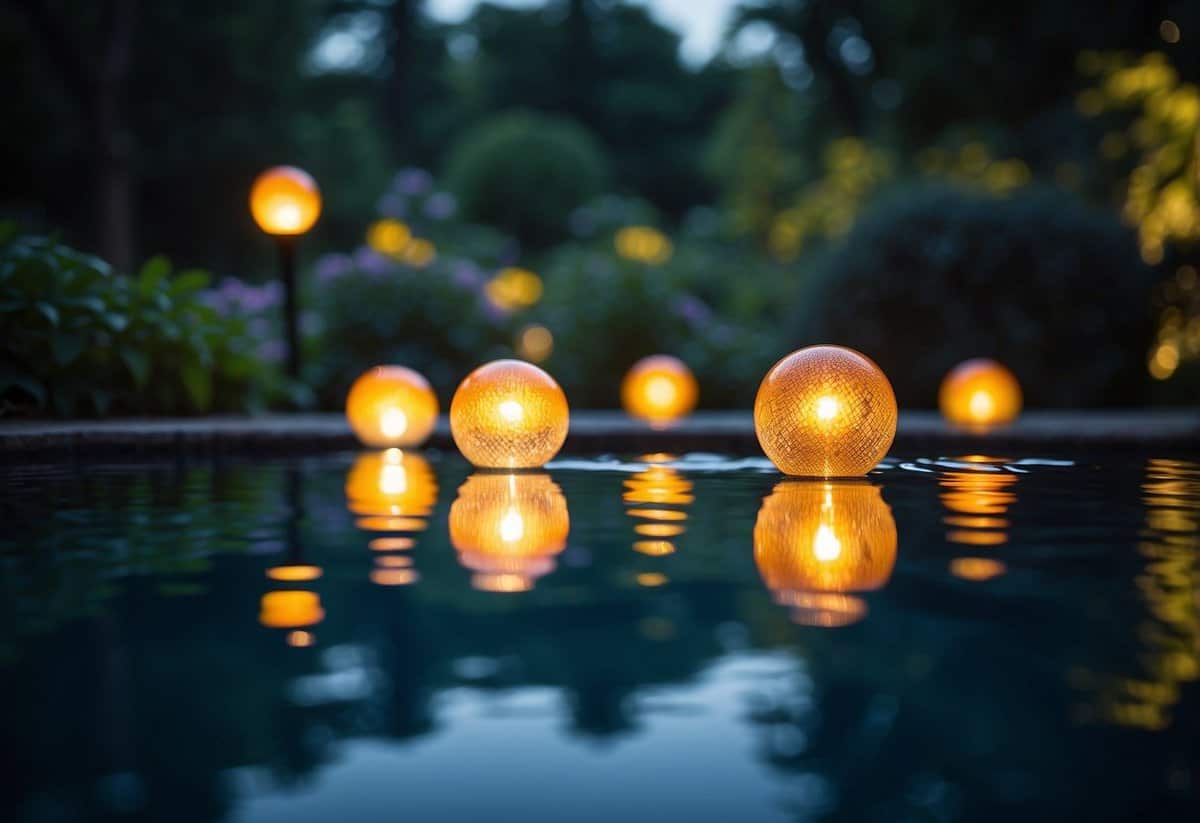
{"points": [[370, 637]]}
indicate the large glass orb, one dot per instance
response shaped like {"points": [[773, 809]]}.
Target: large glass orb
{"points": [[825, 411], [509, 414], [392, 406]]}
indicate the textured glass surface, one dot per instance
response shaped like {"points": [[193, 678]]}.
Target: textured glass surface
{"points": [[391, 406], [825, 411], [816, 538], [509, 414], [507, 528], [980, 392], [659, 389]]}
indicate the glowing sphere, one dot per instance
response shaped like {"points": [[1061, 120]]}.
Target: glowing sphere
{"points": [[980, 392], [508, 528], [509, 414], [285, 200], [391, 406], [817, 543], [825, 411], [290, 610], [659, 389]]}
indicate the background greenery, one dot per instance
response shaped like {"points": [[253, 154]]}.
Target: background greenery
{"points": [[927, 183]]}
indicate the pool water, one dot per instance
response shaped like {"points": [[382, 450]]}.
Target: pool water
{"points": [[390, 636]]}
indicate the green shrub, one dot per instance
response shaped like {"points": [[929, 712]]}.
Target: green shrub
{"points": [[931, 277], [80, 338], [606, 313], [524, 173], [374, 310]]}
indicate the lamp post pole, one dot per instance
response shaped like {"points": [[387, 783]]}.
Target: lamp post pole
{"points": [[287, 273]]}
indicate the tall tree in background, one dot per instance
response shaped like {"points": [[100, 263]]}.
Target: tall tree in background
{"points": [[91, 58]]}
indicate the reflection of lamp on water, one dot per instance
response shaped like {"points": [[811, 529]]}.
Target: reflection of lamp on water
{"points": [[391, 491], [658, 494], [976, 502], [816, 544], [659, 389], [980, 392], [295, 610], [508, 528], [825, 411], [509, 414], [391, 406]]}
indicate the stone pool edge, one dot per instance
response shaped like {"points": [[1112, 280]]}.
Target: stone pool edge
{"points": [[1174, 430]]}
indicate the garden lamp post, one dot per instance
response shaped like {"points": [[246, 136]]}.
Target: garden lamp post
{"points": [[285, 202]]}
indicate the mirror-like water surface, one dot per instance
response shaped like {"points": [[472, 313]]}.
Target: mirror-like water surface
{"points": [[388, 635]]}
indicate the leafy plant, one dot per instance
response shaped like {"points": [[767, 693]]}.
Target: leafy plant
{"points": [[82, 338], [933, 276], [524, 173]]}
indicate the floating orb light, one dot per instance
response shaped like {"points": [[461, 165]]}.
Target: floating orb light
{"points": [[391, 406], [825, 411], [659, 388], [508, 528], [509, 414], [285, 200], [980, 392], [816, 544]]}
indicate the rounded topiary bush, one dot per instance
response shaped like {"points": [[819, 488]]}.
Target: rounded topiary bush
{"points": [[1037, 280], [525, 173]]}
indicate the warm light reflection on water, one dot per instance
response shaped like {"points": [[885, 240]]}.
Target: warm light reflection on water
{"points": [[1169, 586], [394, 491], [656, 498], [977, 498], [508, 528], [816, 543]]}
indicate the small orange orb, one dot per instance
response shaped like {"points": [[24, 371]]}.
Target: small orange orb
{"points": [[391, 406], [659, 389], [825, 411], [980, 392], [508, 528], [509, 414], [285, 200], [816, 543]]}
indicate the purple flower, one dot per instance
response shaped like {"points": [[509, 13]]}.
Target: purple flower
{"points": [[260, 327], [691, 309], [332, 266], [262, 298], [466, 275], [412, 180], [311, 323], [371, 262], [441, 206], [392, 205], [492, 313], [272, 351]]}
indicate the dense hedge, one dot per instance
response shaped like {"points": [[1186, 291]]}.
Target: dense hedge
{"points": [[933, 276], [524, 173]]}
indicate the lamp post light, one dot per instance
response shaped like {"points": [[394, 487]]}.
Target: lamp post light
{"points": [[285, 202]]}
